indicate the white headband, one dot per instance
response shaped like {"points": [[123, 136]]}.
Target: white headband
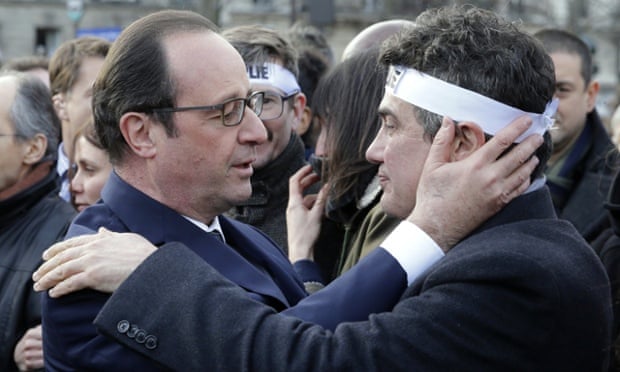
{"points": [[274, 75], [460, 104]]}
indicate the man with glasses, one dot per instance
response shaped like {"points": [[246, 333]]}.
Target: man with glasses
{"points": [[271, 65], [174, 109]]}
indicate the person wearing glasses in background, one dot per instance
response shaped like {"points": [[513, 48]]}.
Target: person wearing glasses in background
{"points": [[183, 153], [32, 215], [272, 66]]}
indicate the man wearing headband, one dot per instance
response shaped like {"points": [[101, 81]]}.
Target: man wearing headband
{"points": [[522, 292], [271, 64]]}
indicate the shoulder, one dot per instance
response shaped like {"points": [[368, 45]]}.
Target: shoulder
{"points": [[92, 218]]}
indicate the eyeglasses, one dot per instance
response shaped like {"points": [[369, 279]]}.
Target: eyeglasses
{"points": [[232, 110], [273, 105], [13, 135]]}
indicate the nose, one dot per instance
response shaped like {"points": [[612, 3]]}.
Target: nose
{"points": [[374, 153], [320, 148], [252, 129], [76, 185]]}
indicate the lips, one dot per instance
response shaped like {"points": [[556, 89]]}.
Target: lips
{"points": [[80, 207], [383, 179], [245, 167]]}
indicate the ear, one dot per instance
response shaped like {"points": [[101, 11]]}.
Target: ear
{"points": [[139, 132], [469, 137], [298, 109], [592, 92], [60, 106], [305, 121], [35, 149]]}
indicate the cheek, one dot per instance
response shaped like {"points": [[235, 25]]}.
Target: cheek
{"points": [[95, 184]]}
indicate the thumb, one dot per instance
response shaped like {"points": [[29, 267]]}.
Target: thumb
{"points": [[439, 153]]}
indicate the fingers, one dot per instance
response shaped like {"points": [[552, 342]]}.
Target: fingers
{"points": [[439, 152], [520, 154], [52, 273], [64, 245], [519, 180], [505, 138], [58, 257], [70, 284], [300, 181]]}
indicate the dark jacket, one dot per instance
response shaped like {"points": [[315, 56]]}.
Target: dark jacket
{"points": [[30, 222], [523, 293], [248, 258], [584, 206], [607, 245]]}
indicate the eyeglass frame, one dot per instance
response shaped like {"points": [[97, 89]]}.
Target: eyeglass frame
{"points": [[13, 135], [283, 98], [220, 106]]}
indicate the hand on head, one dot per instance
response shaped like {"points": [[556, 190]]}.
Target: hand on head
{"points": [[99, 261], [453, 198]]}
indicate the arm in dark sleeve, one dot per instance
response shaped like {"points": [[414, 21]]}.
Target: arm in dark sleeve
{"points": [[467, 314], [173, 302]]}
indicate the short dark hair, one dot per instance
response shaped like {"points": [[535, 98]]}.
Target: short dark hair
{"points": [[556, 40], [259, 44], [64, 66], [135, 75], [479, 51]]}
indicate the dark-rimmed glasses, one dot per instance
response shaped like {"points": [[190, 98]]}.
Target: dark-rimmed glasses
{"points": [[232, 110], [273, 105]]}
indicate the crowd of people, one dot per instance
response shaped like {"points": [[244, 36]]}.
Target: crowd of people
{"points": [[444, 196]]}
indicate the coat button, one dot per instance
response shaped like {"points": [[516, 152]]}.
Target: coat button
{"points": [[150, 342], [122, 326], [132, 331], [140, 336]]}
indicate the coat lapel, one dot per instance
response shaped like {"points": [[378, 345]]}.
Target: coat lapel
{"points": [[160, 224]]}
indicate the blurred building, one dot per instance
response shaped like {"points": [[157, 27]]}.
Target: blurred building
{"points": [[39, 26]]}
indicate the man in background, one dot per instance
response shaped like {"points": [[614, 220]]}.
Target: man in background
{"points": [[32, 216], [581, 167], [73, 68]]}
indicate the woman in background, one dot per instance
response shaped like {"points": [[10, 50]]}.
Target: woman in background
{"points": [[91, 168], [346, 103]]}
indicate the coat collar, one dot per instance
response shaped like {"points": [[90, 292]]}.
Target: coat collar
{"points": [[161, 224]]}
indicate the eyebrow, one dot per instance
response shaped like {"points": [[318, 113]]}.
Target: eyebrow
{"points": [[385, 111]]}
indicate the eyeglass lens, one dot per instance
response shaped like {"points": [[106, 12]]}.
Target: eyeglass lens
{"points": [[273, 106], [234, 110]]}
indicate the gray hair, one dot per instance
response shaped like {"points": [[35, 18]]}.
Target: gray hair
{"points": [[32, 112]]}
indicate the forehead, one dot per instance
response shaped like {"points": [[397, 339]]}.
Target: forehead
{"points": [[205, 65], [565, 62], [393, 106], [266, 88]]}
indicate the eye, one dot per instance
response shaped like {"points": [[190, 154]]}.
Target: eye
{"points": [[231, 111], [387, 124]]}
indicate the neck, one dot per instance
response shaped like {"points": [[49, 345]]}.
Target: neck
{"points": [[179, 200]]}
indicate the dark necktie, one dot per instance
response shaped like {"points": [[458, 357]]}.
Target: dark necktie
{"points": [[216, 234]]}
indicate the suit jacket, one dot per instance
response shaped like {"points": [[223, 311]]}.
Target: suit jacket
{"points": [[255, 264], [523, 293]]}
